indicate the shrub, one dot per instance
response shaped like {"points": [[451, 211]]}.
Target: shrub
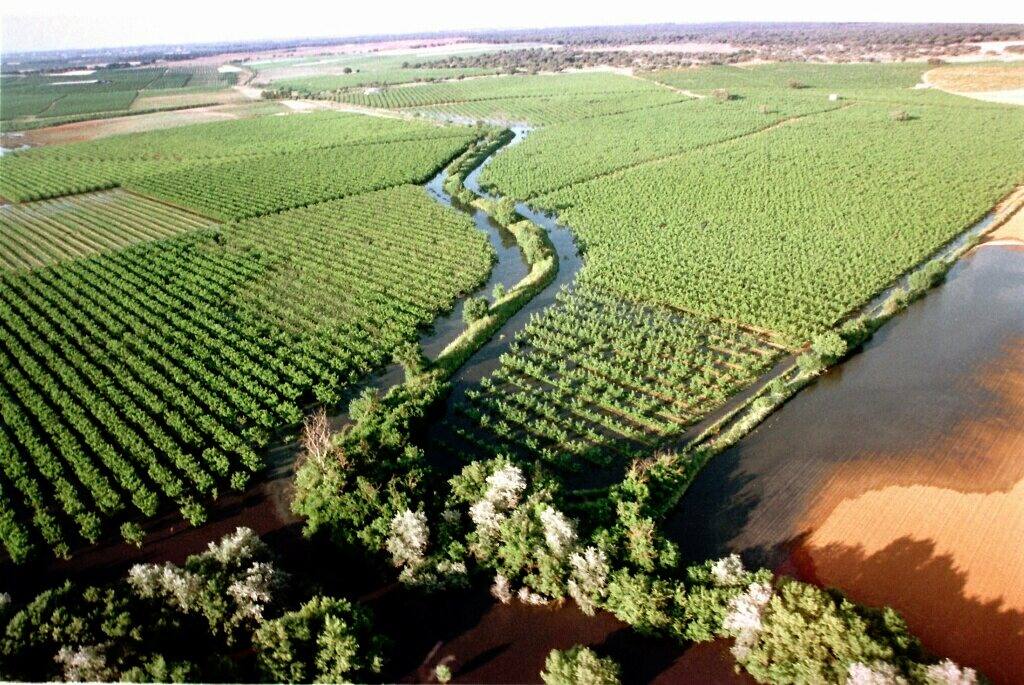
{"points": [[132, 533], [578, 666], [474, 309], [326, 640], [505, 211], [829, 345]]}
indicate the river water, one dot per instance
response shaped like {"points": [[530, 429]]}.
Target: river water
{"points": [[899, 475]]}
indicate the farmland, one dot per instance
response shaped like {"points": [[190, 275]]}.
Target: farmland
{"points": [[40, 233], [40, 99], [447, 341], [258, 143]]}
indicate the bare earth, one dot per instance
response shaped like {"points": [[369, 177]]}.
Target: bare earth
{"points": [[993, 83], [101, 128]]}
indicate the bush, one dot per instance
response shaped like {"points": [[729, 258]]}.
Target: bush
{"points": [[326, 640], [578, 666], [475, 309], [505, 211], [899, 115], [829, 346], [132, 533]]}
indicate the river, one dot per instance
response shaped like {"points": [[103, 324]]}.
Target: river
{"points": [[899, 475]]}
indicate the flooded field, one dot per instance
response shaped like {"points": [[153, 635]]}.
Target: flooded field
{"points": [[899, 476]]}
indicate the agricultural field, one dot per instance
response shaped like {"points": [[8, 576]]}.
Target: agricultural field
{"points": [[540, 99], [40, 99], [155, 375], [750, 228], [40, 233], [339, 72], [441, 331], [598, 381], [120, 160]]}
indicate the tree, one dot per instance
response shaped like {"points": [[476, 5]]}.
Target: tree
{"points": [[326, 640], [316, 435], [498, 292], [579, 666], [829, 345], [474, 309], [410, 355]]}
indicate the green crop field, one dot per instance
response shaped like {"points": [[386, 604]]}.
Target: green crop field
{"points": [[598, 381], [39, 99], [118, 160], [40, 233], [156, 374], [716, 210]]}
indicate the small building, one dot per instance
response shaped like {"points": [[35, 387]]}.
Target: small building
{"points": [[833, 97]]}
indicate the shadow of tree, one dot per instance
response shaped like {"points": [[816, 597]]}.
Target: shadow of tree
{"points": [[930, 593]]}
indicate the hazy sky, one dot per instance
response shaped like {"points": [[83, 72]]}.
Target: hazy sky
{"points": [[53, 24]]}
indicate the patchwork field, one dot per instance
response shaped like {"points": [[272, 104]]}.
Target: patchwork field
{"points": [[43, 99]]}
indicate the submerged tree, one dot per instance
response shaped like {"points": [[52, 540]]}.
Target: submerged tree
{"points": [[577, 666]]}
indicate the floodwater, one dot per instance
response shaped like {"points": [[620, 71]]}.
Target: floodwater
{"points": [[899, 476]]}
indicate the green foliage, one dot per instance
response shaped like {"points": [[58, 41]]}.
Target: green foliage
{"points": [[165, 623], [325, 640], [474, 309], [505, 211], [579, 666], [829, 345], [133, 533], [153, 375], [375, 473], [810, 635]]}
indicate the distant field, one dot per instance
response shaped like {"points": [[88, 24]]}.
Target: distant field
{"points": [[118, 160], [39, 233], [250, 187], [329, 73], [753, 229], [39, 98], [979, 78], [572, 151]]}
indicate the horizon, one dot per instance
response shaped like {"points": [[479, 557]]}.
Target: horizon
{"points": [[60, 26]]}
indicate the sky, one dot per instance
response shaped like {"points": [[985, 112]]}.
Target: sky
{"points": [[56, 24]]}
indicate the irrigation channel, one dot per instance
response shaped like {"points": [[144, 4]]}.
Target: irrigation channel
{"points": [[510, 268]]}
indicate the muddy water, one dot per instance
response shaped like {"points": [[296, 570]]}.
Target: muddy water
{"points": [[899, 476]]}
